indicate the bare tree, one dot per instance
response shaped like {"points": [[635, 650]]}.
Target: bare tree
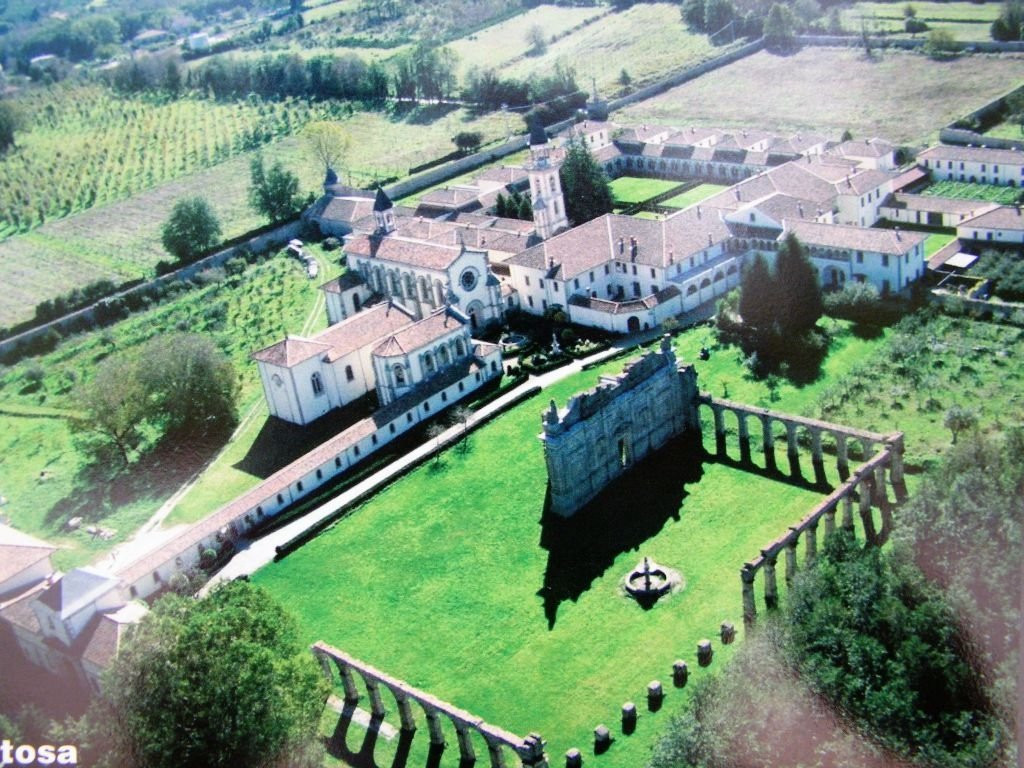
{"points": [[537, 41]]}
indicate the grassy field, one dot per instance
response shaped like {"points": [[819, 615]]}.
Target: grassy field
{"points": [[41, 462], [935, 243], [648, 40], [900, 96], [628, 190], [1006, 130], [969, 22], [122, 240], [694, 196], [964, 190]]}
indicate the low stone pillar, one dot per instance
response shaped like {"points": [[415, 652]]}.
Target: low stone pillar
{"points": [[847, 522], [792, 449], [771, 586], [467, 754], [768, 440], [434, 726], [496, 753], [704, 653], [830, 522], [719, 429], [655, 695], [404, 711], [791, 558], [747, 576], [727, 632], [348, 682], [881, 498], [816, 453], [680, 673], [744, 437], [842, 456], [869, 448], [573, 758], [532, 752], [376, 704], [628, 717], [811, 541], [602, 739]]}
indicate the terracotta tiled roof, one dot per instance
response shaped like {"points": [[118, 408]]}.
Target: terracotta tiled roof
{"points": [[945, 253], [625, 307], [290, 352], [1007, 217], [17, 610], [863, 148], [346, 210], [973, 154], [362, 329], [419, 334], [19, 551], [857, 238], [934, 204], [402, 250], [349, 279]]}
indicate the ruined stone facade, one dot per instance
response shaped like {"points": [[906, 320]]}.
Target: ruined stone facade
{"points": [[603, 432]]}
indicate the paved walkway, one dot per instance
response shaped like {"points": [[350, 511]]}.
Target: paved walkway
{"points": [[253, 555]]}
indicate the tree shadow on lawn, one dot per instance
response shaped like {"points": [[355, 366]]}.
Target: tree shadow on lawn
{"points": [[104, 486], [631, 510], [414, 113]]}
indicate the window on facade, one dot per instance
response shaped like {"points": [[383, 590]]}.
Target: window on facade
{"points": [[337, 462], [753, 218], [349, 375], [556, 287], [576, 284], [529, 300], [462, 387], [280, 499], [543, 303], [408, 418], [860, 257], [885, 260], [399, 375], [606, 270], [373, 439], [298, 485], [444, 397], [318, 384], [428, 362], [540, 283], [355, 450], [460, 348], [527, 279], [652, 273], [319, 475]]}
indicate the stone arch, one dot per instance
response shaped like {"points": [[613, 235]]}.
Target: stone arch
{"points": [[438, 293], [705, 283], [443, 358], [429, 364], [398, 371], [424, 285], [475, 310], [409, 287], [460, 348], [633, 324], [691, 289]]}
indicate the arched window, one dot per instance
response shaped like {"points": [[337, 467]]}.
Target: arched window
{"points": [[442, 355], [428, 362], [348, 373], [460, 348], [552, 184], [318, 384], [399, 372]]}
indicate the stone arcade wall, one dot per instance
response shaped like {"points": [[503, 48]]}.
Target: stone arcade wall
{"points": [[530, 750], [603, 432]]}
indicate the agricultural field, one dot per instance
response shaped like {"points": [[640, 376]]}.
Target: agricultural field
{"points": [[629, 190], [501, 44], [42, 467], [897, 95], [88, 146], [965, 190], [969, 22], [648, 40], [122, 240], [694, 196]]}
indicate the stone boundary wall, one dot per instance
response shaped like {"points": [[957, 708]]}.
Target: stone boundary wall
{"points": [[454, 168], [1002, 310], [75, 321], [909, 44], [530, 749], [953, 135]]}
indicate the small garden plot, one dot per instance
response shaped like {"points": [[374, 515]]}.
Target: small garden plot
{"points": [[965, 190], [935, 243], [693, 196], [630, 190]]}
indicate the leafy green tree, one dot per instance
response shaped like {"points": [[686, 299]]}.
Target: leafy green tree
{"points": [[191, 229], [328, 142], [273, 192], [1010, 23], [114, 404], [468, 141], [718, 13], [10, 122], [941, 44], [584, 184], [537, 40], [221, 681], [779, 28], [692, 12], [959, 420]]}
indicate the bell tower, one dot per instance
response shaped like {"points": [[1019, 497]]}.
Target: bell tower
{"points": [[545, 185], [384, 212]]}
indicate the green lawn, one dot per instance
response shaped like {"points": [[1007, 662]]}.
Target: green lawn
{"points": [[935, 243], [965, 190], [694, 196], [627, 190], [1006, 130], [456, 591]]}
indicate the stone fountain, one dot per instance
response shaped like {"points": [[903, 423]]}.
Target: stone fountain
{"points": [[649, 581]]}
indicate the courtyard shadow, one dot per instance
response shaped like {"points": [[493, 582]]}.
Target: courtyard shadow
{"points": [[627, 513]]}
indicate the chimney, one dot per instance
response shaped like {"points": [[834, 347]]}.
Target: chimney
{"points": [[736, 193], [622, 246], [698, 211], [899, 235], [710, 240], [672, 253], [800, 209], [632, 249]]}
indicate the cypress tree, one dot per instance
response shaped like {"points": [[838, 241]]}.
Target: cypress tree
{"points": [[757, 295], [798, 292]]}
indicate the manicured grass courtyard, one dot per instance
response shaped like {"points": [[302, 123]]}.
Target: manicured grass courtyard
{"points": [[462, 588], [629, 190], [965, 190], [694, 196], [936, 242]]}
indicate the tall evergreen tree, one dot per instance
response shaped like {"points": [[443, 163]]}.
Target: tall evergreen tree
{"points": [[798, 292], [757, 295], [585, 185]]}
